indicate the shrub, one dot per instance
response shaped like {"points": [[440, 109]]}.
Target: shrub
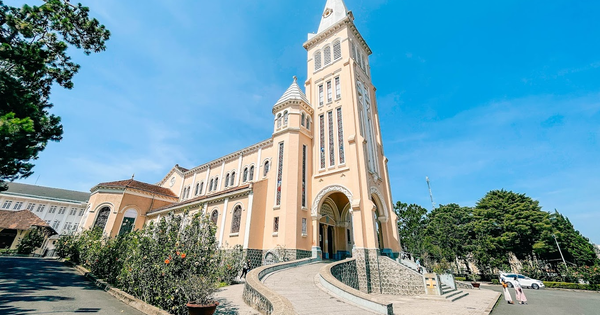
{"points": [[495, 281], [231, 263], [460, 278], [569, 285], [33, 240]]}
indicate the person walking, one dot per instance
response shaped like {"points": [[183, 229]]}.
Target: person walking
{"points": [[245, 268], [519, 294], [507, 296]]}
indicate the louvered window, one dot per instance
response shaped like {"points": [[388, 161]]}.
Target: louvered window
{"points": [[317, 60], [337, 50], [327, 55]]}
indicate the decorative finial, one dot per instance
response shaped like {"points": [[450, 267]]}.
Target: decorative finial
{"points": [[132, 175], [295, 79]]}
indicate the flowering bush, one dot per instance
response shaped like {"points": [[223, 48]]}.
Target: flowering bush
{"points": [[167, 264], [231, 263]]}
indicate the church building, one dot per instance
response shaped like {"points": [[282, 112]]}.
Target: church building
{"points": [[318, 186]]}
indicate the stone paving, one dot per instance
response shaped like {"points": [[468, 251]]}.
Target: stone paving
{"points": [[478, 302], [298, 285], [231, 301]]}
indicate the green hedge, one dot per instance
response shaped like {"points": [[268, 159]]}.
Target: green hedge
{"points": [[460, 278], [495, 281], [567, 285]]}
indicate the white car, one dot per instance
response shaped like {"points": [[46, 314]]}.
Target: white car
{"points": [[524, 281]]}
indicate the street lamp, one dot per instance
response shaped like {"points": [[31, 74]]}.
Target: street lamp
{"points": [[561, 254]]}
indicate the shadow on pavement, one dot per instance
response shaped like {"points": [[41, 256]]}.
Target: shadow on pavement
{"points": [[226, 308]]}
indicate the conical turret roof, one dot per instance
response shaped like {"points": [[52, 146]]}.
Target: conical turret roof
{"points": [[293, 93]]}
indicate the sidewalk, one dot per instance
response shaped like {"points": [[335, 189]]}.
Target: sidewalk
{"points": [[231, 301]]}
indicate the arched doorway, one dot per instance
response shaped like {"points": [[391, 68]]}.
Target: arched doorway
{"points": [[102, 218], [128, 221], [377, 218], [335, 227]]}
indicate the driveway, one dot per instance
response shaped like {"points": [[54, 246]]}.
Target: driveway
{"points": [[550, 302], [44, 286]]}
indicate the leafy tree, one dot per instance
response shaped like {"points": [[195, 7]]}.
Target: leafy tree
{"points": [[412, 220], [33, 240], [33, 56], [576, 248], [447, 232], [505, 222]]}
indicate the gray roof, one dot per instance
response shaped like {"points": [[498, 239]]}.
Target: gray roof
{"points": [[293, 93], [335, 11], [46, 192]]}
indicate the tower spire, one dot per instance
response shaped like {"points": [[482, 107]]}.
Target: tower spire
{"points": [[335, 11]]}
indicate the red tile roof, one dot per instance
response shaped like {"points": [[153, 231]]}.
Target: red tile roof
{"points": [[131, 183], [20, 220]]}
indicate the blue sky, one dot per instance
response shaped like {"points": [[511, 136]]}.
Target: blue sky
{"points": [[477, 95]]}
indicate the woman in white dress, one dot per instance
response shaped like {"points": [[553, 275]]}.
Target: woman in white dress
{"points": [[520, 295], [507, 296]]}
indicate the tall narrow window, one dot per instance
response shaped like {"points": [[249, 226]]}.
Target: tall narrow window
{"points": [[232, 179], [353, 51], [102, 218], [303, 226], [337, 50], [329, 92], [214, 216], [321, 95], [226, 183], [285, 118], [235, 221], [317, 60], [251, 174], [183, 194], [338, 88], [266, 168], [245, 174], [275, 224], [340, 134], [331, 142], [308, 123], [41, 208], [187, 195], [196, 191], [216, 183], [304, 176], [201, 187], [327, 55], [322, 140], [279, 175], [278, 120], [302, 119]]}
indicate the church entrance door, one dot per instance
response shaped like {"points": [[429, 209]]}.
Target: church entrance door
{"points": [[335, 227]]}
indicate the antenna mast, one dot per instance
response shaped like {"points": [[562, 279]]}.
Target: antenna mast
{"points": [[430, 194]]}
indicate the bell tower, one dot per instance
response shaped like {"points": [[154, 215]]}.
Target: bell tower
{"points": [[349, 166]]}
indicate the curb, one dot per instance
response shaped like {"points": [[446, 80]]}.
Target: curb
{"points": [[492, 305], [122, 296]]}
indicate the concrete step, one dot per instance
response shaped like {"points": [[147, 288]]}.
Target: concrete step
{"points": [[447, 290], [458, 296]]}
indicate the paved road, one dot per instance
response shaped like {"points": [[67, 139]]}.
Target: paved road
{"points": [[304, 295], [42, 286], [550, 302]]}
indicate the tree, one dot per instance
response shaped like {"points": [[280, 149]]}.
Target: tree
{"points": [[447, 232], [505, 222], [412, 220], [33, 56], [33, 240]]}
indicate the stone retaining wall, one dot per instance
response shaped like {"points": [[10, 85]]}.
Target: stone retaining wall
{"points": [[345, 272]]}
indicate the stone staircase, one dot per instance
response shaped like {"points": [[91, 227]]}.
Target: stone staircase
{"points": [[452, 295]]}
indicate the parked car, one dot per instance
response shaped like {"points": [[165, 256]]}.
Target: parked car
{"points": [[524, 281]]}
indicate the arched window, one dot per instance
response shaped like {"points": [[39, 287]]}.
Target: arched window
{"points": [[278, 120], [308, 123], [327, 55], [226, 183], [183, 194], [102, 218], [232, 178], [197, 188], [214, 216], [216, 183], [128, 221], [285, 118], [235, 221], [302, 119], [187, 194], [251, 176], [245, 175], [266, 168], [337, 50], [210, 187], [201, 187], [317, 60]]}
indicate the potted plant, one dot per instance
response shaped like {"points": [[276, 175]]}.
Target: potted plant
{"points": [[474, 283], [198, 290]]}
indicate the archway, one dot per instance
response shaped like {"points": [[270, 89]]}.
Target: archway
{"points": [[128, 221], [335, 227], [379, 215], [102, 218]]}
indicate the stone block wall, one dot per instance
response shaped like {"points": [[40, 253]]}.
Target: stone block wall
{"points": [[256, 300], [381, 274], [346, 273], [258, 257]]}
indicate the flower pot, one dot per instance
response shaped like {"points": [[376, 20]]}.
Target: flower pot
{"points": [[474, 284], [202, 309]]}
